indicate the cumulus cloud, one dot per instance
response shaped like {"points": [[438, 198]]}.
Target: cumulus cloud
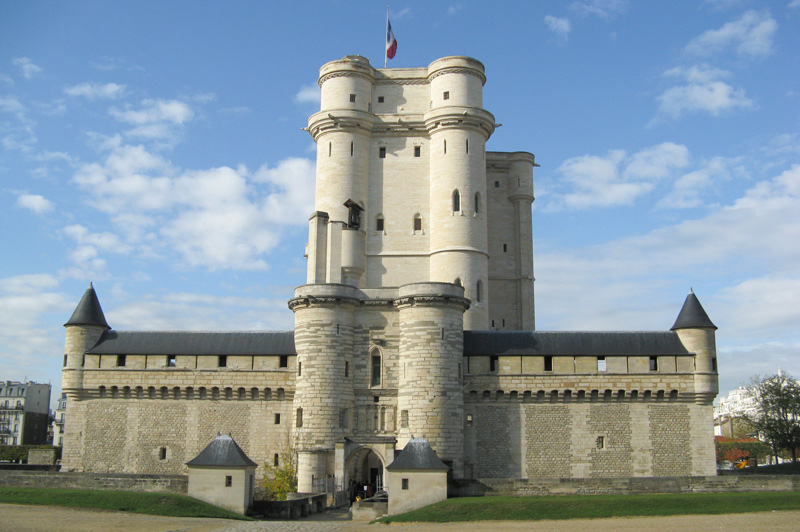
{"points": [[559, 26], [616, 178], [29, 70], [750, 36], [219, 218], [308, 94], [702, 91], [95, 91], [34, 202], [155, 119], [688, 189], [600, 8]]}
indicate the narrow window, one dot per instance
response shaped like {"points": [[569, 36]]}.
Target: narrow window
{"points": [[382, 152], [405, 483], [504, 322], [478, 290], [379, 223], [601, 363], [329, 148], [162, 453], [445, 147], [477, 203], [376, 369], [417, 222], [352, 98], [456, 201], [299, 417], [505, 248], [404, 419], [467, 145], [284, 361], [352, 149], [600, 442], [222, 361], [653, 363], [347, 369], [713, 364], [446, 95], [299, 369], [493, 363], [65, 361], [337, 328], [276, 460], [171, 360], [497, 184], [492, 324], [228, 481], [417, 151], [121, 361], [380, 99], [469, 420], [83, 360], [277, 419], [548, 363]]}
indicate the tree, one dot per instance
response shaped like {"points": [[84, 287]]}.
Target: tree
{"points": [[777, 413], [281, 479]]}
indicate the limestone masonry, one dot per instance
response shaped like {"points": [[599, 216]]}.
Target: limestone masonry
{"points": [[417, 320]]}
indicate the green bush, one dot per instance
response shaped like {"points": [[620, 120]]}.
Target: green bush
{"points": [[15, 453]]}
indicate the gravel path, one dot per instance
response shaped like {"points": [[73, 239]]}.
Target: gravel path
{"points": [[22, 518]]}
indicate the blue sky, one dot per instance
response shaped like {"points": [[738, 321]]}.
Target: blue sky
{"points": [[155, 149]]}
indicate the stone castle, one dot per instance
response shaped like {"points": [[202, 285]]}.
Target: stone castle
{"points": [[417, 320]]}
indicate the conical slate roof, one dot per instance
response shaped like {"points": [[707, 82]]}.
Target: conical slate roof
{"points": [[692, 315], [417, 454], [222, 451], [88, 311]]}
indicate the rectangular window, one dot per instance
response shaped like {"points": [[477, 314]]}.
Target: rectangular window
{"points": [[404, 419], [65, 361], [497, 184], [601, 363], [600, 442], [299, 369], [713, 364], [171, 360], [548, 363], [376, 370], [277, 419], [493, 363], [228, 481], [417, 151], [469, 420], [379, 224], [417, 224], [343, 418], [446, 95], [162, 453], [380, 99], [352, 98], [382, 152], [222, 361], [121, 361], [352, 149], [284, 361], [653, 363], [505, 248], [347, 369], [405, 483], [299, 417]]}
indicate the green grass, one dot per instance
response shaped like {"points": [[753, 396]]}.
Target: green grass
{"points": [[123, 501], [597, 506]]}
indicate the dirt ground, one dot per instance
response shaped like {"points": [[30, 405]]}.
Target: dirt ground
{"points": [[57, 519]]}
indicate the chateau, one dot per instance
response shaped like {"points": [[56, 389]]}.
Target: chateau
{"points": [[416, 320]]}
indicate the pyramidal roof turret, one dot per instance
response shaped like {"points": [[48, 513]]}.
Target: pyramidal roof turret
{"points": [[223, 451], [692, 315], [88, 311], [417, 454]]}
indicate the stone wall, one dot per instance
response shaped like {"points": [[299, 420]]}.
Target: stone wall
{"points": [[94, 481]]}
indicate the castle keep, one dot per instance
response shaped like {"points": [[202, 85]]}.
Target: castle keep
{"points": [[416, 320]]}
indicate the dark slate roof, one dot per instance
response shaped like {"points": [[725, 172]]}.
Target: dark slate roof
{"points": [[88, 311], [417, 454], [692, 315], [195, 343], [594, 343], [222, 451]]}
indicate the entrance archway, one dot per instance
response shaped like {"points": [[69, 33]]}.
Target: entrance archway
{"points": [[366, 468]]}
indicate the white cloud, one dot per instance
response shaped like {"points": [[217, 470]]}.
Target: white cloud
{"points": [[29, 70], [600, 8], [794, 4], [751, 36], [688, 188], [217, 218], [704, 91], [34, 202], [560, 26], [616, 178], [159, 120], [308, 94], [454, 8], [94, 91]]}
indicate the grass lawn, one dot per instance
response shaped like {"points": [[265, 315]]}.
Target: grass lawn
{"points": [[122, 501], [597, 506]]}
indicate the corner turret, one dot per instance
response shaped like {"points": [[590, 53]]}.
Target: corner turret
{"points": [[84, 329], [697, 333]]}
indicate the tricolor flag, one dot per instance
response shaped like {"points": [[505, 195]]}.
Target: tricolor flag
{"points": [[391, 42]]}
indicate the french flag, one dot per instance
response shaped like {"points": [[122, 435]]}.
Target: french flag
{"points": [[391, 42]]}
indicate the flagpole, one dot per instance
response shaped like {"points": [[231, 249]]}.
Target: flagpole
{"points": [[385, 36]]}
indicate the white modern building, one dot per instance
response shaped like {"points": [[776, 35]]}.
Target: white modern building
{"points": [[24, 412]]}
